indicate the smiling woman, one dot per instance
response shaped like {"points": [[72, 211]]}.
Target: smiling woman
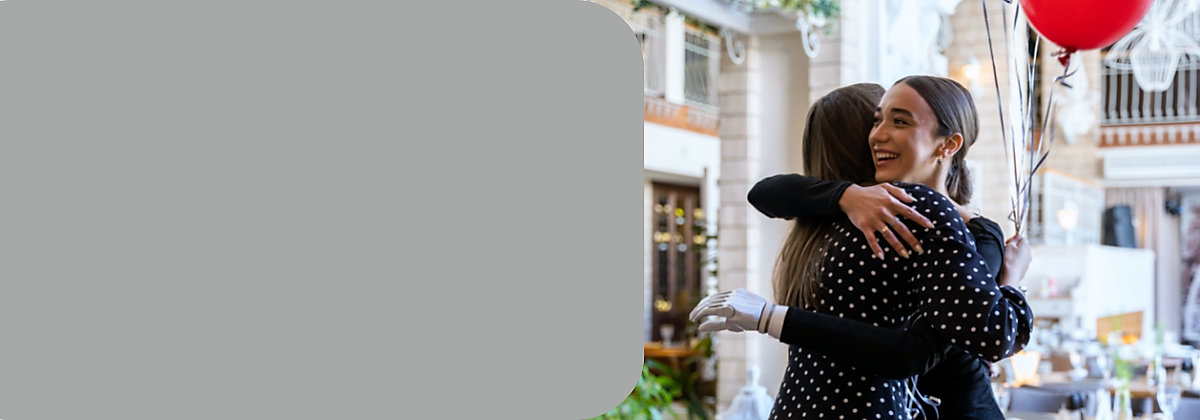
{"points": [[856, 299], [921, 124]]}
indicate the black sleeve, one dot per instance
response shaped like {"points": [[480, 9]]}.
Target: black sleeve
{"points": [[961, 301], [790, 196], [898, 354], [989, 241], [894, 354]]}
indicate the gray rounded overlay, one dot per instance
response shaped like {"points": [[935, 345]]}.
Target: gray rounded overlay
{"points": [[267, 209]]}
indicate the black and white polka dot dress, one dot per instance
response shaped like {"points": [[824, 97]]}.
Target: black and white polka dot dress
{"points": [[948, 286]]}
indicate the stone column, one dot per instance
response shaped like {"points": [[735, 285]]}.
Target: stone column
{"points": [[839, 62], [740, 142]]}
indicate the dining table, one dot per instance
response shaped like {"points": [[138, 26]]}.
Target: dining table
{"points": [[1061, 381], [672, 355], [1013, 415]]}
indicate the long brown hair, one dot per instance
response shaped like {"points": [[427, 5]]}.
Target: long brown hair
{"points": [[956, 113], [835, 148]]}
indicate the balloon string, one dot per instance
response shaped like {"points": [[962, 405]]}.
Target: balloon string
{"points": [[1024, 109], [1030, 77], [1021, 107], [1003, 128], [1047, 137], [1010, 40], [1058, 81]]}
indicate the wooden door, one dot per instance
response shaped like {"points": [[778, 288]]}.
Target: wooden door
{"points": [[677, 246]]}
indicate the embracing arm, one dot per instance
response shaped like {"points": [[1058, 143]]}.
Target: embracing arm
{"points": [[871, 209], [790, 196], [894, 354], [909, 352]]}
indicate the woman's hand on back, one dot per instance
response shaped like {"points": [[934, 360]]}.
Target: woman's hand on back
{"points": [[1017, 258], [877, 209]]}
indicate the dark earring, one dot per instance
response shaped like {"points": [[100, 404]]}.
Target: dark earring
{"points": [[939, 161]]}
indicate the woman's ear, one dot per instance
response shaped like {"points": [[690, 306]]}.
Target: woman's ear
{"points": [[951, 145]]}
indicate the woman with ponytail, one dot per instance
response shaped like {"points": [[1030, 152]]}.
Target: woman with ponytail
{"points": [[861, 319]]}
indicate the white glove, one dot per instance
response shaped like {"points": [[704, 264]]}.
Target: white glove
{"points": [[740, 309]]}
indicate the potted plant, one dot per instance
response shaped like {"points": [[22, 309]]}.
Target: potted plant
{"points": [[650, 398]]}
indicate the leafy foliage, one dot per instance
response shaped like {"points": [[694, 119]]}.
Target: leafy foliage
{"points": [[813, 9], [654, 394]]}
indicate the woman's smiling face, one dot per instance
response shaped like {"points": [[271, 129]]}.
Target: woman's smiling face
{"points": [[904, 139]]}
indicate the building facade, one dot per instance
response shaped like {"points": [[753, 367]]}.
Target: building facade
{"points": [[726, 96]]}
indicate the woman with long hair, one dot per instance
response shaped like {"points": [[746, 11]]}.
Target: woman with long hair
{"points": [[825, 264], [960, 381]]}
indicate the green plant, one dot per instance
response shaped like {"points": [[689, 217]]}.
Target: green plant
{"points": [[1123, 369], [687, 382], [652, 395], [1160, 334], [700, 228], [828, 9], [813, 9]]}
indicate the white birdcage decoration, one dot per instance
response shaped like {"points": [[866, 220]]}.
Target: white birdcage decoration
{"points": [[1155, 49]]}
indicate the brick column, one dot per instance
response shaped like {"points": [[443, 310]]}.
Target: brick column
{"points": [[838, 63], [739, 89]]}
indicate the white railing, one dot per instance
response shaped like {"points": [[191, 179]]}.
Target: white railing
{"points": [[1126, 103], [653, 57], [702, 61], [660, 109], [647, 27]]}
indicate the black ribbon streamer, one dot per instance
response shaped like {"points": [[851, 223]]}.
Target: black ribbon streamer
{"points": [[1023, 181]]}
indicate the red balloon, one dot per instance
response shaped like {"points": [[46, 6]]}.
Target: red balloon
{"points": [[1085, 24]]}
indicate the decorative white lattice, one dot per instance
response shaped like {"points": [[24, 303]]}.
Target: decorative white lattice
{"points": [[1158, 45]]}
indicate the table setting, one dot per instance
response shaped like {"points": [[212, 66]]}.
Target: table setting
{"points": [[1061, 376]]}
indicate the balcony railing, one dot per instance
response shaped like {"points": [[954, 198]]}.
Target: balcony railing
{"points": [[696, 109], [1125, 102], [647, 26], [702, 61]]}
